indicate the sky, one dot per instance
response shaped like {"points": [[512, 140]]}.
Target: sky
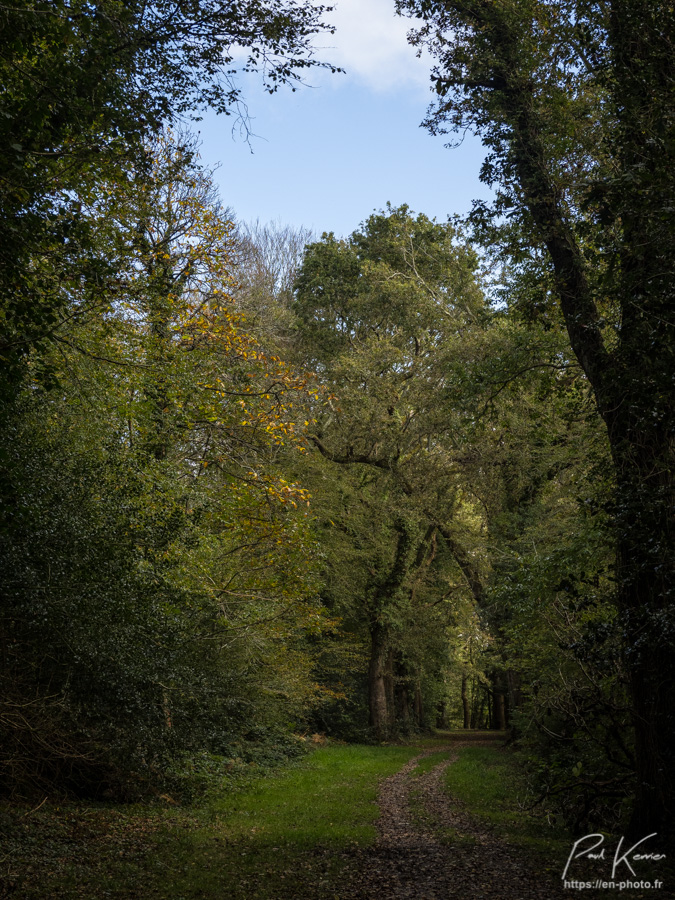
{"points": [[331, 153]]}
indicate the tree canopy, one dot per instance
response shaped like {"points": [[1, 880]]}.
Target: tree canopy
{"points": [[256, 483], [85, 85], [575, 102]]}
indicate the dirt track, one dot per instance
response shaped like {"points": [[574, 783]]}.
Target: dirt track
{"points": [[429, 849]]}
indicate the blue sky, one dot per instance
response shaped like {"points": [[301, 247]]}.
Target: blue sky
{"points": [[326, 156]]}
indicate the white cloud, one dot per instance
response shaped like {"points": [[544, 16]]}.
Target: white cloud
{"points": [[370, 44]]}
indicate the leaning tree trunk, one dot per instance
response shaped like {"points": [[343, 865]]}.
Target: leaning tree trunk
{"points": [[620, 283], [633, 382]]}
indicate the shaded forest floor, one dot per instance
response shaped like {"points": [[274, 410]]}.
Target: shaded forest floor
{"points": [[437, 819]]}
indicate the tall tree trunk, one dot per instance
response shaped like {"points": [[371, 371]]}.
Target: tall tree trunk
{"points": [[466, 708], [514, 689], [404, 706], [501, 712], [646, 562], [389, 692], [418, 708], [633, 383], [498, 701], [377, 692], [383, 594], [475, 701]]}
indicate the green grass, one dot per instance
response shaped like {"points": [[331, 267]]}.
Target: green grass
{"points": [[491, 784], [283, 837], [427, 763], [286, 835], [329, 800]]}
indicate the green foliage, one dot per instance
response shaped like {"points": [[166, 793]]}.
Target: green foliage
{"points": [[156, 564], [549, 605], [85, 86], [558, 623], [158, 568], [575, 103], [388, 319]]}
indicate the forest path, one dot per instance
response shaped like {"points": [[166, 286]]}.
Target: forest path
{"points": [[427, 848]]}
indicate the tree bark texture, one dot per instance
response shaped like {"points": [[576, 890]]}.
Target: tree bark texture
{"points": [[389, 691], [383, 595], [377, 693]]}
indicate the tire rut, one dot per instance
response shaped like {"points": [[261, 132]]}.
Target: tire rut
{"points": [[429, 849]]}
